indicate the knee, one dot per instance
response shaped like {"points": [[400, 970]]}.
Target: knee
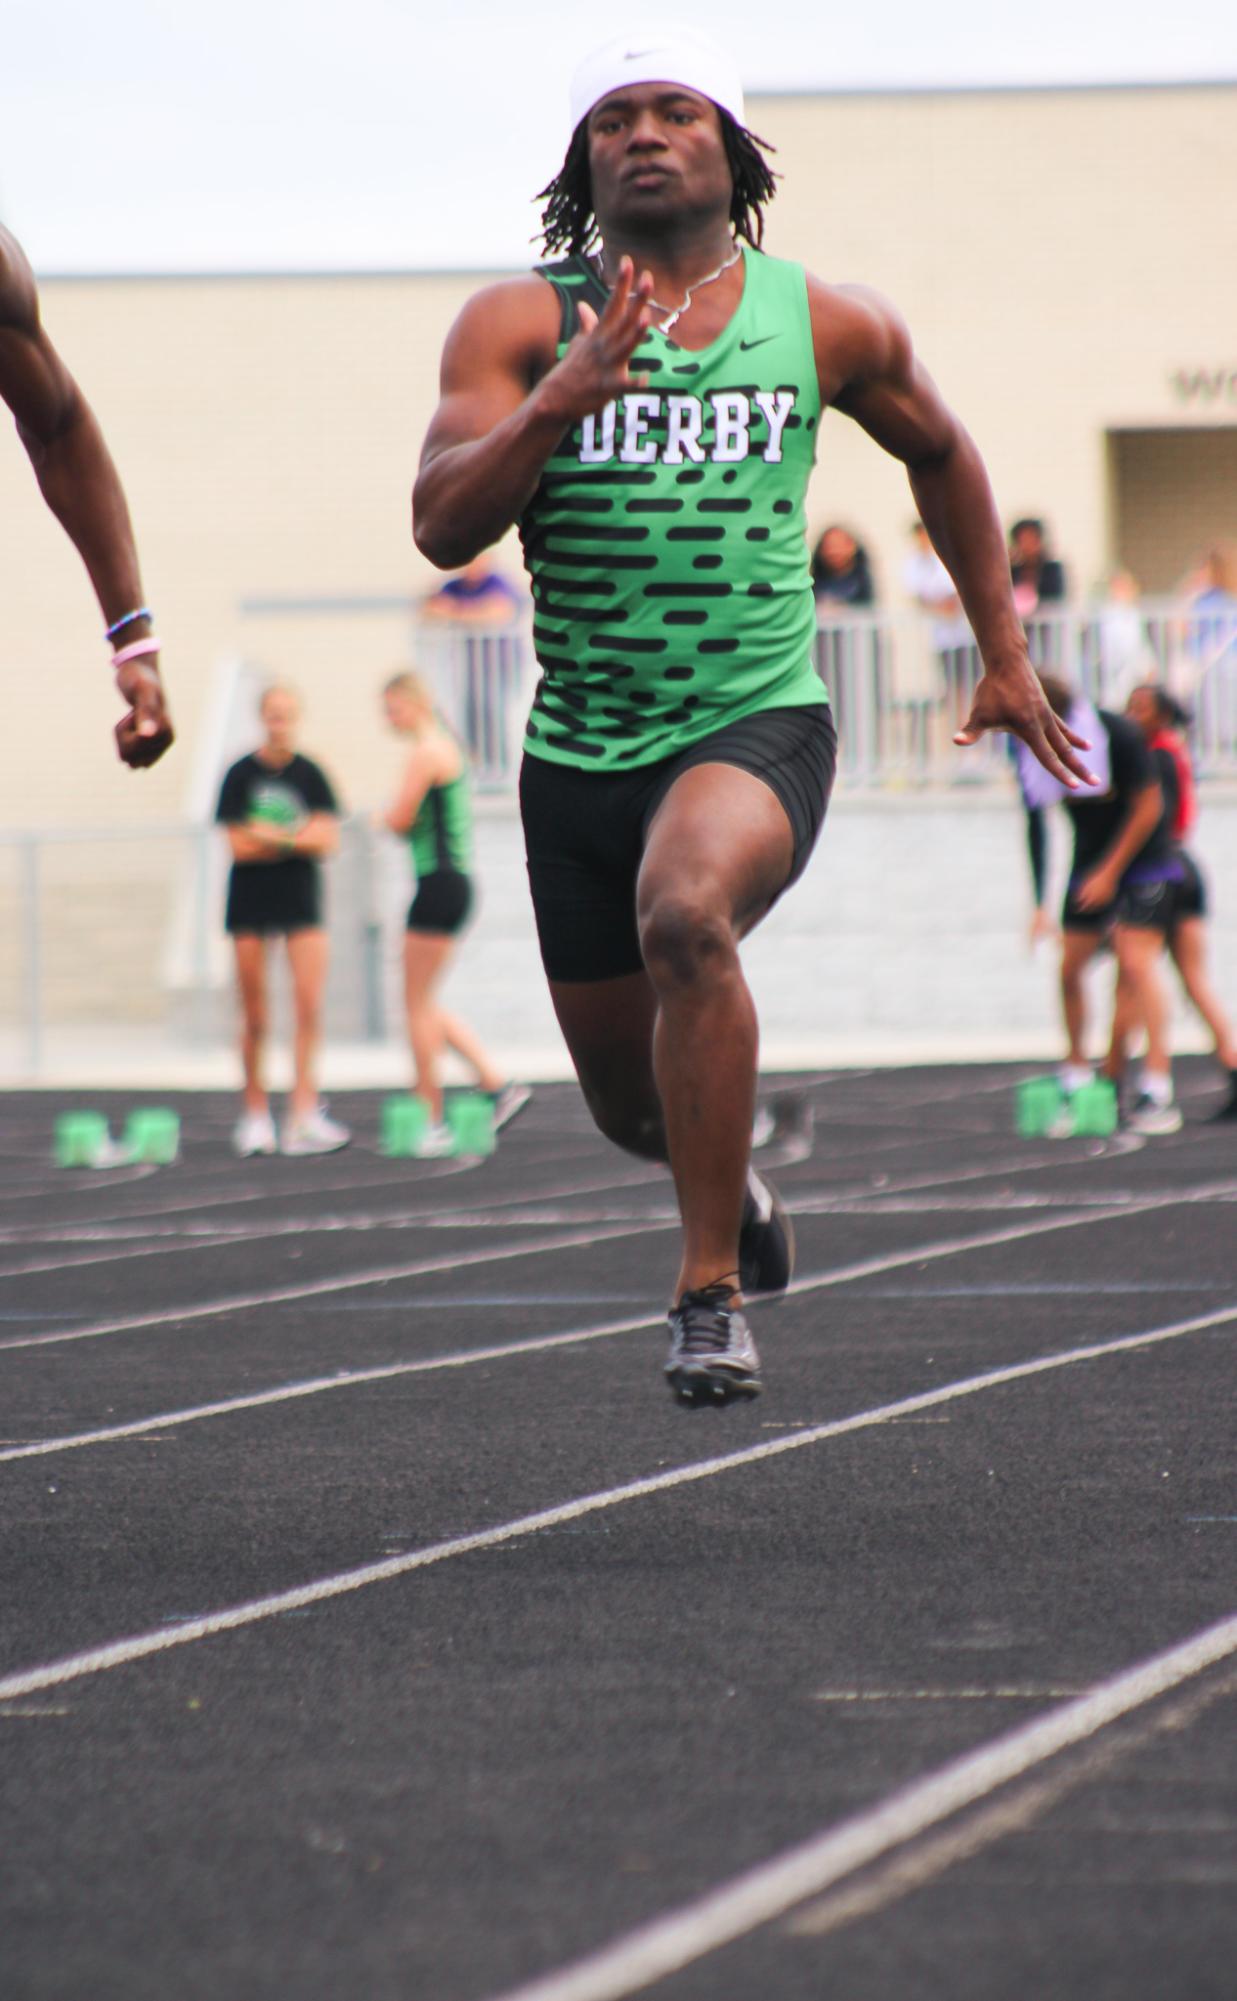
{"points": [[685, 941], [621, 1117]]}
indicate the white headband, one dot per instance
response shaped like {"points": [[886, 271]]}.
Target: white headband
{"points": [[669, 54]]}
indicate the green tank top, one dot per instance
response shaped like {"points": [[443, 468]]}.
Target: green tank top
{"points": [[441, 834], [666, 541]]}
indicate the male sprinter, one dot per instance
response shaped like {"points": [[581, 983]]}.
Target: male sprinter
{"points": [[82, 487], [652, 435]]}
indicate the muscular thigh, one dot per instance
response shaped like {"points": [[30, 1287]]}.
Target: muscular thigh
{"points": [[721, 838]]}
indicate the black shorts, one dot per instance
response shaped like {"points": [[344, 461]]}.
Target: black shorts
{"points": [[270, 901], [442, 902], [585, 830], [1190, 894], [1143, 906]]}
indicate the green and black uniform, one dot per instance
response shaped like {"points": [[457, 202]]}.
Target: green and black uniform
{"points": [[441, 841], [673, 612]]}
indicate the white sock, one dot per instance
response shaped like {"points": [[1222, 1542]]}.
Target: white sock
{"points": [[1158, 1086], [1075, 1076]]}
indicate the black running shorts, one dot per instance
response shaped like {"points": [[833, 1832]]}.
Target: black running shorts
{"points": [[1190, 894], [1142, 906], [442, 902], [585, 830], [271, 900]]}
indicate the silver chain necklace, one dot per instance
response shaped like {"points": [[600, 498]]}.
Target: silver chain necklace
{"points": [[676, 312]]}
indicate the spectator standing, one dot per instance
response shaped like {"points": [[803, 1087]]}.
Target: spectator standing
{"points": [[432, 810], [926, 580], [842, 583], [1038, 578], [841, 571], [477, 658], [1120, 893], [281, 818], [476, 595], [1162, 721]]}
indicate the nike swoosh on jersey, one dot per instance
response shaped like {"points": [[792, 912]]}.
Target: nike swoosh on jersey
{"points": [[745, 344]]}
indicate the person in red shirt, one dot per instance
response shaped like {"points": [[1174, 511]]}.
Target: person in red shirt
{"points": [[1162, 720]]}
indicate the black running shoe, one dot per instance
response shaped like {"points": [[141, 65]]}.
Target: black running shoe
{"points": [[766, 1238], [712, 1357]]}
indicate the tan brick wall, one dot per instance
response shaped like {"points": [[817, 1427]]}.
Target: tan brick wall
{"points": [[1058, 254]]}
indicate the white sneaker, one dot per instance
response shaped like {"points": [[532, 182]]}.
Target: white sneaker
{"points": [[315, 1133], [1147, 1115], [435, 1143], [254, 1132]]}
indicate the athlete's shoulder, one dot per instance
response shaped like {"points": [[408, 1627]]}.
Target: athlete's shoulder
{"points": [[859, 334], [514, 317], [521, 298]]}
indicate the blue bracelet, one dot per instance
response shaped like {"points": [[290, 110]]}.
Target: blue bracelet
{"points": [[130, 618]]}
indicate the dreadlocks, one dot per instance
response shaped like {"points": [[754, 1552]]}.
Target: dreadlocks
{"points": [[567, 220]]}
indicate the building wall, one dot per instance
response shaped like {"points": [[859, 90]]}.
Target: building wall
{"points": [[1065, 258]]}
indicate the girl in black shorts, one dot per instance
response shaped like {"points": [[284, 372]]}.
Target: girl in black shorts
{"points": [[432, 809], [281, 820]]}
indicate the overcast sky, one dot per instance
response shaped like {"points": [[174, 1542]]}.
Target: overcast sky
{"points": [[163, 135]]}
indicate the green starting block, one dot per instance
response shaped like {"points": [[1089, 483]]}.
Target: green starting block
{"points": [[1094, 1109], [152, 1134], [82, 1139], [405, 1120], [470, 1115], [1042, 1110]]}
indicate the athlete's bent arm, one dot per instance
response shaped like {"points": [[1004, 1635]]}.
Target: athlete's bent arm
{"points": [[318, 838], [82, 488], [868, 370], [506, 402]]}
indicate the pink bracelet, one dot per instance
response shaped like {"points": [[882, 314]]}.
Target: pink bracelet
{"points": [[135, 651]]}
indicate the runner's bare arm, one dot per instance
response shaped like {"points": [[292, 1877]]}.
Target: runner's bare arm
{"points": [[506, 402], [82, 488], [869, 371]]}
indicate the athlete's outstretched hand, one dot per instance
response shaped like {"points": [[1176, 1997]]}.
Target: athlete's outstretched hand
{"points": [[144, 734], [1015, 701], [595, 369]]}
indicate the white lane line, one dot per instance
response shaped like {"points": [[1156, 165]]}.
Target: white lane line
{"points": [[133, 1230], [1013, 1811], [312, 1289], [750, 1900], [540, 1343], [248, 1301], [119, 1653], [534, 1344]]}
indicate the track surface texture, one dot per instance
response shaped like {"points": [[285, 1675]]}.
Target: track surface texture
{"points": [[374, 1624]]}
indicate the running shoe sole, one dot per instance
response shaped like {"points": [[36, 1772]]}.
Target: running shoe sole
{"points": [[710, 1387]]}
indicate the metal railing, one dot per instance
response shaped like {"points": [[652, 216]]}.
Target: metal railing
{"points": [[122, 927], [105, 928], [900, 684]]}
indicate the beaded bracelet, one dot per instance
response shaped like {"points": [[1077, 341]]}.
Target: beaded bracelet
{"points": [[135, 651], [130, 618]]}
